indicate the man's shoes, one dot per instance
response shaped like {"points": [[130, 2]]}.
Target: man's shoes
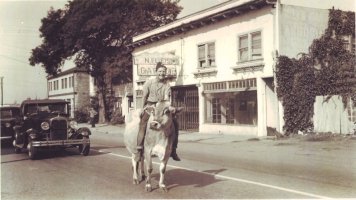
{"points": [[174, 155]]}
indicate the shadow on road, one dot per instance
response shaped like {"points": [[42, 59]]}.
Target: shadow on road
{"points": [[181, 177], [7, 148]]}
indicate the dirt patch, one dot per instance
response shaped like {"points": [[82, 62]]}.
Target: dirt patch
{"points": [[329, 137]]}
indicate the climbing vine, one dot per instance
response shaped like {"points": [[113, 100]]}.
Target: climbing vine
{"points": [[328, 69]]}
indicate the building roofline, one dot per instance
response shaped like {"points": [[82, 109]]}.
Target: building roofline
{"points": [[40, 101], [199, 19], [69, 71]]}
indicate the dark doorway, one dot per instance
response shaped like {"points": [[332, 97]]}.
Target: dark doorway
{"points": [[188, 98]]}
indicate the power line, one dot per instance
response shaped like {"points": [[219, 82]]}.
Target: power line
{"points": [[14, 59]]}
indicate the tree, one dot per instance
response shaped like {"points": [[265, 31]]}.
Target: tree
{"points": [[98, 33]]}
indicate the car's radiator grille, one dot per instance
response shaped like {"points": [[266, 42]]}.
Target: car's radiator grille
{"points": [[59, 124], [58, 129]]}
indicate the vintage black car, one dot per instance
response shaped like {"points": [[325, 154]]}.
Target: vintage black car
{"points": [[45, 125], [9, 117]]}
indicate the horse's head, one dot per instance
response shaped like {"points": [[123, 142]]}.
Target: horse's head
{"points": [[161, 115]]}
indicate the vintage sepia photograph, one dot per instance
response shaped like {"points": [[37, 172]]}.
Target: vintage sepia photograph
{"points": [[177, 99]]}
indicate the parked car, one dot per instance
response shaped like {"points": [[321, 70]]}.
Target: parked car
{"points": [[46, 124], [9, 117]]}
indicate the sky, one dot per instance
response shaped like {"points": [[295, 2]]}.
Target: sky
{"points": [[19, 24]]}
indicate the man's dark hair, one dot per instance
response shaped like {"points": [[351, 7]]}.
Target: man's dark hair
{"points": [[159, 65]]}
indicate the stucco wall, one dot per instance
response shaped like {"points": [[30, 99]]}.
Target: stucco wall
{"points": [[331, 116], [81, 84], [225, 35], [299, 26], [61, 90]]}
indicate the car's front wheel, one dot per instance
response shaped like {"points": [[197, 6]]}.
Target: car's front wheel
{"points": [[17, 150], [18, 141], [32, 151], [84, 149]]}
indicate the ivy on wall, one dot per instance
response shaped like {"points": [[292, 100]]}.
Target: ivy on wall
{"points": [[328, 69]]}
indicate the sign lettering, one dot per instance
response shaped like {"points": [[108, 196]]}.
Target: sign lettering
{"points": [[150, 70], [146, 63]]}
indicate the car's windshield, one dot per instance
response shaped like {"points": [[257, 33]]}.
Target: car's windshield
{"points": [[9, 113], [46, 108]]}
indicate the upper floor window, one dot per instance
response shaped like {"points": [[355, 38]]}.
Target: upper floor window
{"points": [[250, 46], [62, 83], [55, 85], [65, 83], [206, 55], [349, 43], [49, 86], [70, 82]]}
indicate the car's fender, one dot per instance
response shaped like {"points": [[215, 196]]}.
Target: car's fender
{"points": [[32, 133], [84, 131], [17, 128], [20, 137]]}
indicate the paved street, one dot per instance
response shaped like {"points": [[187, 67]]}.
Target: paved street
{"points": [[212, 166]]}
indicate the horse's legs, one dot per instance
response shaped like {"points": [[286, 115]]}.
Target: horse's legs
{"points": [[162, 171], [135, 170], [148, 161]]}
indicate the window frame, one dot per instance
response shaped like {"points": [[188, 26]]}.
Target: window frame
{"points": [[65, 83], [349, 43], [249, 46], [210, 62], [231, 107]]}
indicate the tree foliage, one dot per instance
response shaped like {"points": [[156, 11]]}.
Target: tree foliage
{"points": [[98, 34], [328, 69]]}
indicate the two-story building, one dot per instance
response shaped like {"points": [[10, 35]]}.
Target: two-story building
{"points": [[73, 85], [222, 62]]}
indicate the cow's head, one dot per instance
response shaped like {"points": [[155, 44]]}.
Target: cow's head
{"points": [[161, 115]]}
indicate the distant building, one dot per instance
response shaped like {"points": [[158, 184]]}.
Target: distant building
{"points": [[123, 98], [73, 85], [222, 62]]}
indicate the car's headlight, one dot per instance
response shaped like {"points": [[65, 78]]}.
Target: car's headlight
{"points": [[45, 126], [85, 133], [7, 124], [73, 124]]}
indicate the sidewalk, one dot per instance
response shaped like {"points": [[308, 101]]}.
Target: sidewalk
{"points": [[208, 138], [184, 136]]}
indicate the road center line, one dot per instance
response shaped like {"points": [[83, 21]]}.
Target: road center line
{"points": [[229, 178]]}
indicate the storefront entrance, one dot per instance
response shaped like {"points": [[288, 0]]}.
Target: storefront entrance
{"points": [[188, 98]]}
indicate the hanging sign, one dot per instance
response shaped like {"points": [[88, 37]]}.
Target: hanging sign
{"points": [[146, 63]]}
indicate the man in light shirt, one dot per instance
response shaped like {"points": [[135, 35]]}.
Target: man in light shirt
{"points": [[155, 90]]}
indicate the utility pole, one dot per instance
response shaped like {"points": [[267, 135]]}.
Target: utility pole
{"points": [[2, 93]]}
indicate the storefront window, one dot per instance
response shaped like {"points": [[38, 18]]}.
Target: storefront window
{"points": [[216, 110], [239, 108]]}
